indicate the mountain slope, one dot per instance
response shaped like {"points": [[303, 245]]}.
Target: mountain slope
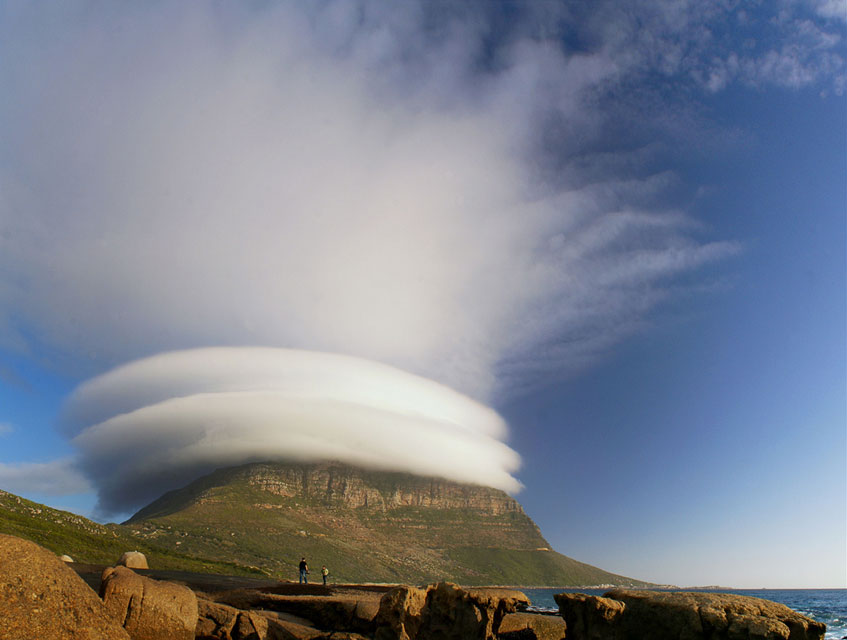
{"points": [[90, 542], [364, 525]]}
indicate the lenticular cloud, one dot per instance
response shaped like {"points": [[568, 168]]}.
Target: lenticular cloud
{"points": [[148, 426]]}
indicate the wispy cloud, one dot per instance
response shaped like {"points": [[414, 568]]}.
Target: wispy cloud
{"points": [[713, 43], [6, 428], [154, 424], [55, 478]]}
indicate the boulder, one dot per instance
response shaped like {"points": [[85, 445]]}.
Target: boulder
{"points": [[214, 620], [589, 616], [444, 611], [133, 560], [41, 597], [531, 626], [652, 615], [400, 614], [149, 609], [66, 558]]}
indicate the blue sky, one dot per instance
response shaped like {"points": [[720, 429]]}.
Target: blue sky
{"points": [[624, 231]]}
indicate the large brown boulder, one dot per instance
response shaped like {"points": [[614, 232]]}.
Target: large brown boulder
{"points": [[652, 615], [444, 611], [40, 597], [149, 609], [133, 560]]}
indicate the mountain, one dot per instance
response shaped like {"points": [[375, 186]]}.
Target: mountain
{"points": [[365, 526]]}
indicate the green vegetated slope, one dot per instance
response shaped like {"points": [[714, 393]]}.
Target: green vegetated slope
{"points": [[366, 526], [92, 543]]}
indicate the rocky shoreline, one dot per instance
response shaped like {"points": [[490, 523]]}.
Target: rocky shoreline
{"points": [[43, 597]]}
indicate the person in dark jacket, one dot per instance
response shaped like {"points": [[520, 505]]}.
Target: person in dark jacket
{"points": [[304, 571]]}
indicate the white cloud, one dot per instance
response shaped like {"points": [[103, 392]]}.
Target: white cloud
{"points": [[6, 428], [56, 478], [155, 424], [285, 183]]}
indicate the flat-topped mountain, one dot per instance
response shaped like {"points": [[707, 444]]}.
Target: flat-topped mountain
{"points": [[364, 525]]}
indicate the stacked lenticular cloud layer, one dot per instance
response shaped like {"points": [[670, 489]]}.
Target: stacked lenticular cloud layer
{"points": [[150, 425]]}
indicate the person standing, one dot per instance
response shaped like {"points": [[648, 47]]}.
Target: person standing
{"points": [[324, 573], [304, 571]]}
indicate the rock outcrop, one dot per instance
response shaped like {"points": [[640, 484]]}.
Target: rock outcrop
{"points": [[223, 622], [444, 611], [133, 560], [354, 613], [531, 626], [650, 615], [43, 598], [149, 609], [589, 616]]}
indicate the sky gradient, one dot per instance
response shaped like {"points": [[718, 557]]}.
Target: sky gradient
{"points": [[599, 253]]}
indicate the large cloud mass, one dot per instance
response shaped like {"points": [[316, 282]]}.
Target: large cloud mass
{"points": [[157, 423], [396, 183], [477, 193]]}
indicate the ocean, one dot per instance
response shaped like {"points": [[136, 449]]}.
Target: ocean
{"points": [[824, 605]]}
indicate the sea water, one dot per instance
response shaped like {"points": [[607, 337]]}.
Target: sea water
{"points": [[824, 605]]}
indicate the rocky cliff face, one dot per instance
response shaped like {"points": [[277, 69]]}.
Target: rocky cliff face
{"points": [[340, 485]]}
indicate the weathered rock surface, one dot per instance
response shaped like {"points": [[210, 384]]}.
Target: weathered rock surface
{"points": [[66, 558], [649, 615], [133, 560], [214, 620], [400, 613], [222, 622], [149, 609], [531, 626], [444, 611], [339, 611], [589, 616], [40, 597]]}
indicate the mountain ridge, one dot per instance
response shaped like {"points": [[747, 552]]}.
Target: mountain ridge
{"points": [[365, 525]]}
